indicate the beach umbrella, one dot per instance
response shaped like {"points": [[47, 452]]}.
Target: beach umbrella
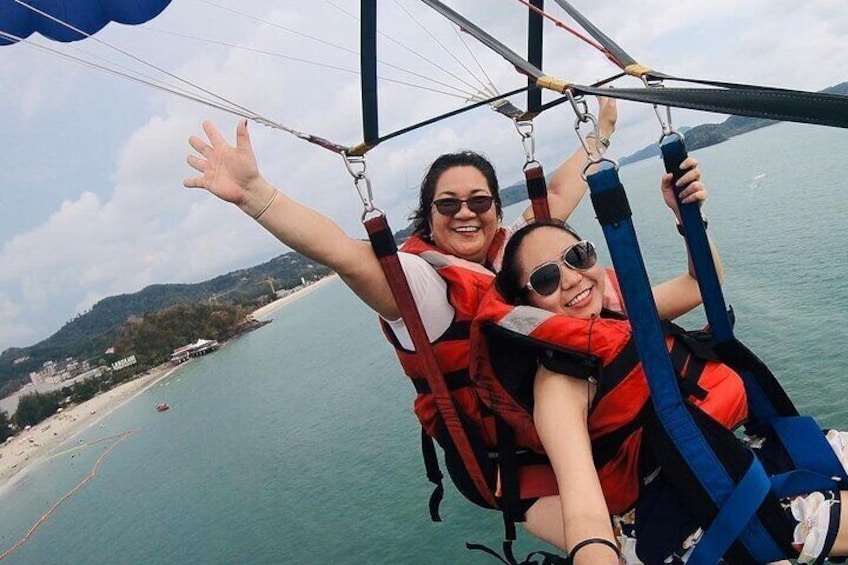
{"points": [[70, 20]]}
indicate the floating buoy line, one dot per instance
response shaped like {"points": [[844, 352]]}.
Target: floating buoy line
{"points": [[118, 439]]}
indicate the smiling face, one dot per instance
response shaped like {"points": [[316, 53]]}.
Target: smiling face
{"points": [[580, 294], [465, 234]]}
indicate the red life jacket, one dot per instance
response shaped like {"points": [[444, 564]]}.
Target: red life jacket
{"points": [[467, 283], [508, 343]]}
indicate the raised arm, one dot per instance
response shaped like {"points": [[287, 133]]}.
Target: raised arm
{"points": [[231, 173], [681, 294], [567, 187]]}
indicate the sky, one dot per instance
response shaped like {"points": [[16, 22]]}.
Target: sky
{"points": [[91, 196]]}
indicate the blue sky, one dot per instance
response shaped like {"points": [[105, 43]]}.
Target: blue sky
{"points": [[91, 202]]}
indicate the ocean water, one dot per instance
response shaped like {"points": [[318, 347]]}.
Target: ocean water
{"points": [[297, 444]]}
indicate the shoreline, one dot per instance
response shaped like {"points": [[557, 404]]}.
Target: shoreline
{"points": [[39, 443], [263, 312]]}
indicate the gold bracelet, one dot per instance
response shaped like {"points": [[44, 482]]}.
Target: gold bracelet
{"points": [[268, 205]]}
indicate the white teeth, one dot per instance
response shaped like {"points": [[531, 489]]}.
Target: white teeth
{"points": [[579, 297], [466, 229]]}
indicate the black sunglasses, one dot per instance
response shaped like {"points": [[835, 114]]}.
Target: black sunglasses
{"points": [[451, 206], [545, 278]]}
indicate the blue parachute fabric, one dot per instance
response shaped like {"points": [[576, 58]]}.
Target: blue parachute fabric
{"points": [[89, 16], [613, 212]]}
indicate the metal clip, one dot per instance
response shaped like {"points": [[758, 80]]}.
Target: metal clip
{"points": [[357, 168], [665, 123], [596, 155], [528, 142]]}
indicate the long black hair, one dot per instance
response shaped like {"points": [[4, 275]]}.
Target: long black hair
{"points": [[421, 217], [508, 280]]}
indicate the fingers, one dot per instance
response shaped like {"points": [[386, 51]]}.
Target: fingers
{"points": [[242, 135], [199, 145], [213, 134], [695, 192]]}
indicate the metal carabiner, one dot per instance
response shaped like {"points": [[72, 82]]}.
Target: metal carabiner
{"points": [[528, 141], [357, 168], [665, 124]]}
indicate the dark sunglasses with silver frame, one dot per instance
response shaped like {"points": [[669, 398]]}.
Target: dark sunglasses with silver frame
{"points": [[450, 206], [545, 278]]}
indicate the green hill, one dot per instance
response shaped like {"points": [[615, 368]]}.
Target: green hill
{"points": [[88, 335]]}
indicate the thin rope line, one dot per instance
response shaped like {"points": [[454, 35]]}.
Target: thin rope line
{"points": [[440, 44], [131, 56], [408, 49], [318, 63]]}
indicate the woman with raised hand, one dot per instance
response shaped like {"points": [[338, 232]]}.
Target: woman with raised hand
{"points": [[458, 220]]}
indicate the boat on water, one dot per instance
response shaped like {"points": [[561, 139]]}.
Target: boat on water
{"points": [[162, 406]]}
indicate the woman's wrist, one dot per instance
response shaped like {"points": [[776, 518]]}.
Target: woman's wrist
{"points": [[258, 199]]}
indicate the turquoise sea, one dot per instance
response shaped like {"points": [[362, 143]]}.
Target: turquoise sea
{"points": [[297, 444]]}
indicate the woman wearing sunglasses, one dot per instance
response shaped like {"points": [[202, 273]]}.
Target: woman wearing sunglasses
{"points": [[449, 261], [589, 425]]}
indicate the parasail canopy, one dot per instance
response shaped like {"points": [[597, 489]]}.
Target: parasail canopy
{"points": [[21, 18]]}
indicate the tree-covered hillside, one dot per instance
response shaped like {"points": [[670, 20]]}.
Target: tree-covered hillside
{"points": [[89, 335]]}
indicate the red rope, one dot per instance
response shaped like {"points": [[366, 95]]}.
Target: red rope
{"points": [[573, 32]]}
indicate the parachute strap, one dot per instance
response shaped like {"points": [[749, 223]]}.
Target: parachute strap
{"points": [[675, 420], [434, 474], [766, 398], [806, 445], [537, 190], [386, 250], [735, 514]]}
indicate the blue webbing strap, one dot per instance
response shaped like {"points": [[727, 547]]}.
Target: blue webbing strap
{"points": [[735, 514], [674, 153], [794, 483], [613, 213], [807, 447]]}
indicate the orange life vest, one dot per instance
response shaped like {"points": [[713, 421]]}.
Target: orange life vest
{"points": [[467, 283], [509, 341]]}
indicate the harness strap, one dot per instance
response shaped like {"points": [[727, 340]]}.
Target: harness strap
{"points": [[454, 380], [765, 402], [434, 474], [735, 514], [674, 418], [386, 251], [537, 190]]}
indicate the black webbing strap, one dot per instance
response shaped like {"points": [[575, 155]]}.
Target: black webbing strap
{"points": [[689, 367], [741, 100], [535, 37], [455, 380], [611, 206], [368, 70], [379, 234], [434, 474]]}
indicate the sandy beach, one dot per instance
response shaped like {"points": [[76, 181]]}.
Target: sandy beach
{"points": [[265, 312], [42, 440]]}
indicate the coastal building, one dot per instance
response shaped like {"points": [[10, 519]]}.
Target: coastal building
{"points": [[196, 349], [124, 363]]}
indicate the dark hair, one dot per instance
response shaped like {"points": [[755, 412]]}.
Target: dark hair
{"points": [[508, 280], [421, 216]]}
